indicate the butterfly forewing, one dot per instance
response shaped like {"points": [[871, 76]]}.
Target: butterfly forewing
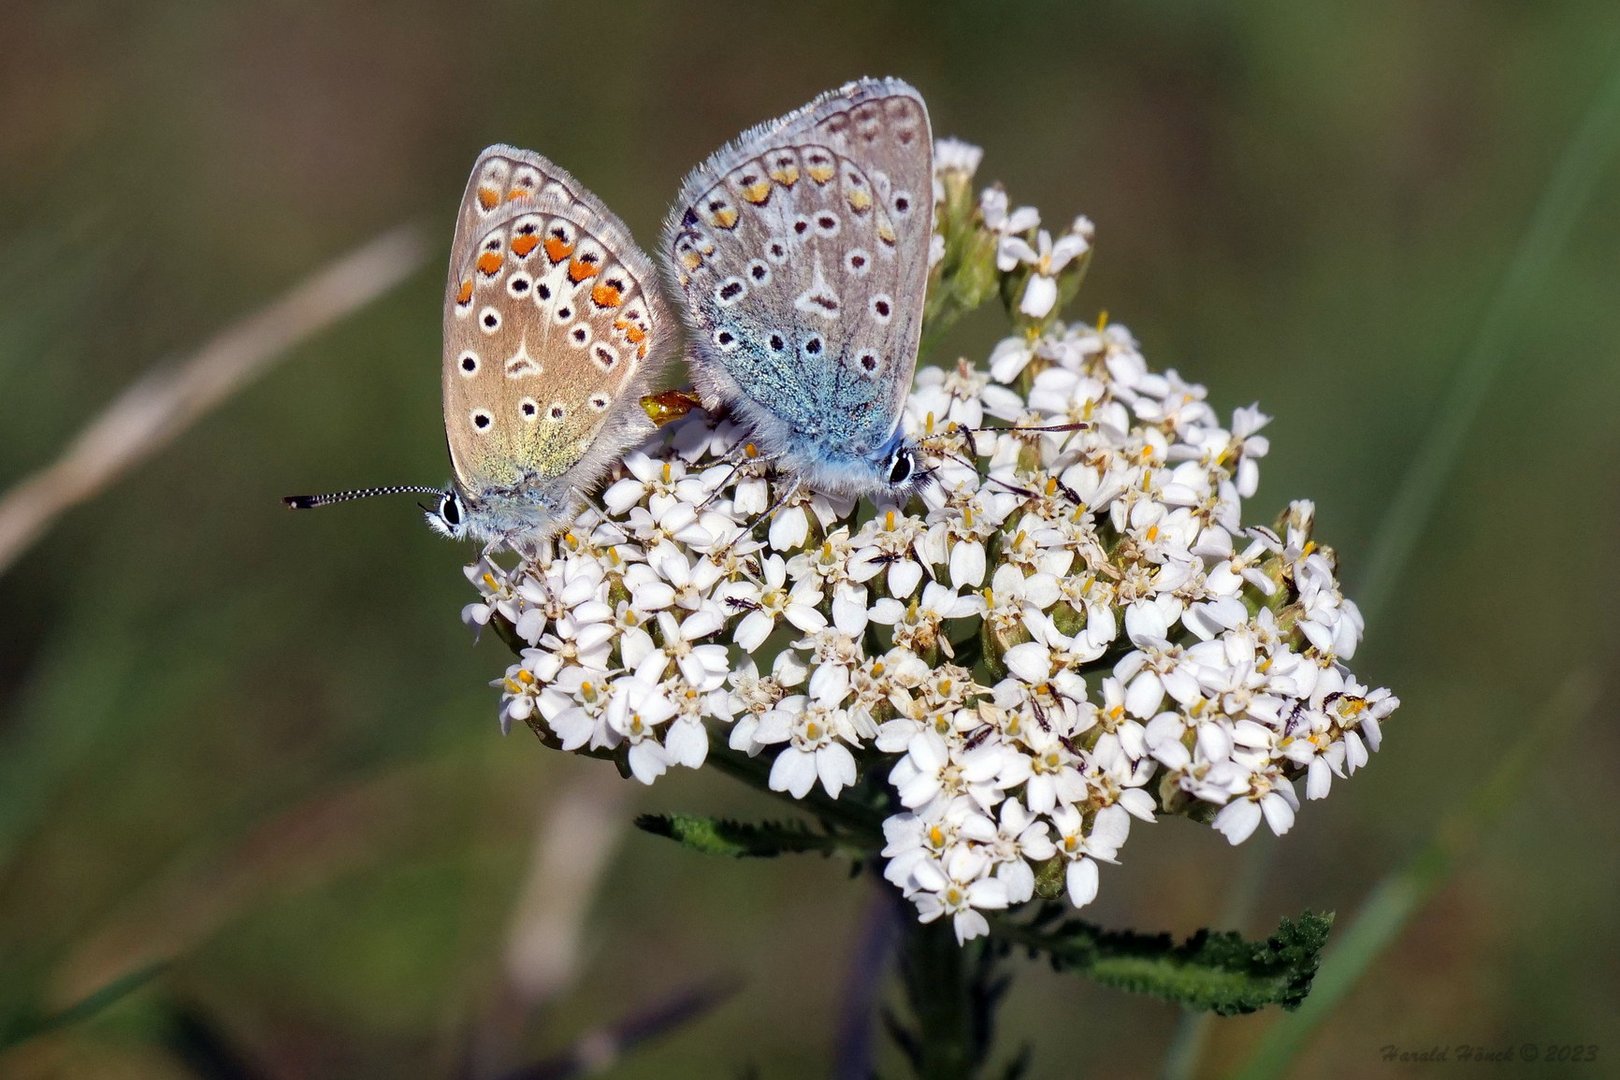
{"points": [[551, 327], [801, 251]]}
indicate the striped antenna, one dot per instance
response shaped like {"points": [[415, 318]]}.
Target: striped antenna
{"points": [[310, 502]]}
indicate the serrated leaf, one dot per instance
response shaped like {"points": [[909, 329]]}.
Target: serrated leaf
{"points": [[1220, 972], [736, 839]]}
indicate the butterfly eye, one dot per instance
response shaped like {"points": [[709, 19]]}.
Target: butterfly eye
{"points": [[900, 466], [450, 509]]}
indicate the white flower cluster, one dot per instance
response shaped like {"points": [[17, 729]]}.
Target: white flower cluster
{"points": [[1068, 627]]}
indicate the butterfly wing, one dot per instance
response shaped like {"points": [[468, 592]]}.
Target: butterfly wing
{"points": [[801, 251], [553, 330]]}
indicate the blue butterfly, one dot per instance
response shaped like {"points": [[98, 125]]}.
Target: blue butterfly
{"points": [[801, 250]]}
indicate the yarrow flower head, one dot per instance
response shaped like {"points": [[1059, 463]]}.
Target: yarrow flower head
{"points": [[1069, 629]]}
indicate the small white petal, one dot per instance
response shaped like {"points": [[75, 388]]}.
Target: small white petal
{"points": [[789, 529], [1039, 296], [794, 772], [1237, 820], [1031, 662], [904, 577], [1279, 814], [1081, 879], [687, 743], [836, 767], [849, 612], [967, 563], [648, 761], [1144, 695], [753, 630]]}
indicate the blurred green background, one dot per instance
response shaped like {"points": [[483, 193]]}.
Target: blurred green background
{"points": [[259, 747]]}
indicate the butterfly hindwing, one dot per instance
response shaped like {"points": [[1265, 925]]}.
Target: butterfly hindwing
{"points": [[801, 254]]}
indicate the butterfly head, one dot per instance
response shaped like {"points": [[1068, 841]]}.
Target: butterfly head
{"points": [[448, 517], [902, 467], [530, 510], [893, 470]]}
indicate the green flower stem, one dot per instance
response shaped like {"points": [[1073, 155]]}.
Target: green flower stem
{"points": [[949, 990]]}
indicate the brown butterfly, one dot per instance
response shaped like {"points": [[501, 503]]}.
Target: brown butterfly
{"points": [[553, 332]]}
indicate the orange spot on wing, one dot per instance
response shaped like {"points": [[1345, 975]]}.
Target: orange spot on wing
{"points": [[489, 263], [758, 194], [557, 250], [522, 245], [488, 198], [465, 294], [605, 295], [579, 270], [518, 193], [633, 333]]}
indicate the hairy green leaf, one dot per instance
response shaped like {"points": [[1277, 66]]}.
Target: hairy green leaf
{"points": [[1215, 971], [736, 839]]}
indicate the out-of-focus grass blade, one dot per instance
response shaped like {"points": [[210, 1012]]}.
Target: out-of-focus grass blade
{"points": [[1587, 153], [92, 1003], [169, 398], [1398, 897]]}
